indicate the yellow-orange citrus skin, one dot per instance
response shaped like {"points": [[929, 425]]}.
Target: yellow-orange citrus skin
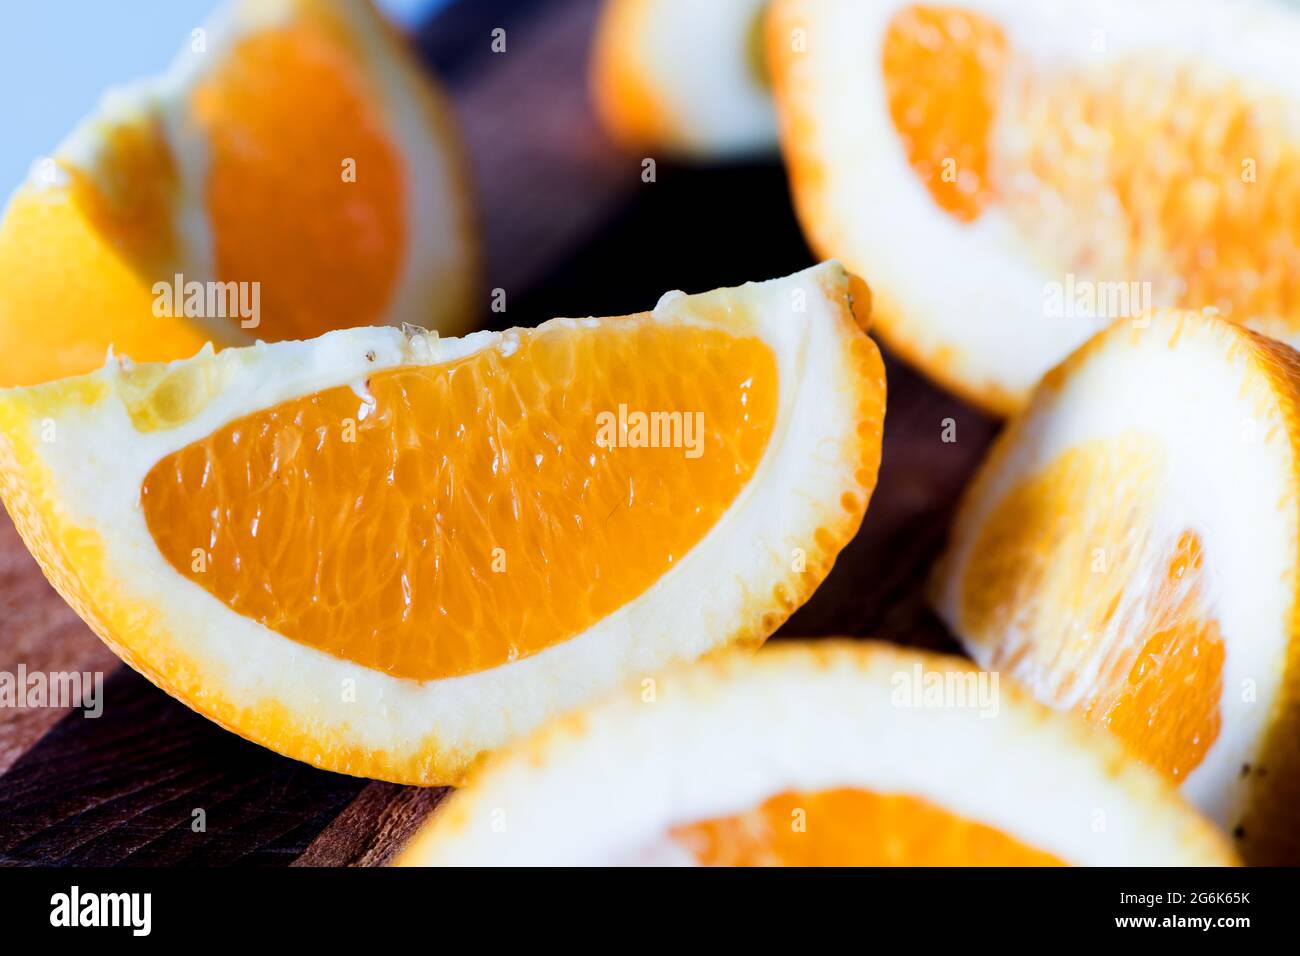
{"points": [[330, 255], [1268, 834], [852, 827], [1056, 564], [442, 520]]}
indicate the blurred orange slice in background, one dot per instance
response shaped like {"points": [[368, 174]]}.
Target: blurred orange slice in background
{"points": [[384, 552], [294, 171], [683, 77], [1013, 175], [829, 753], [1129, 551]]}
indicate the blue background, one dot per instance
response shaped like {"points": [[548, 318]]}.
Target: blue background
{"points": [[58, 56]]}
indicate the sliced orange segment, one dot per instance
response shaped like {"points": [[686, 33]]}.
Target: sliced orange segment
{"points": [[686, 78], [820, 754], [293, 172], [386, 553], [407, 518], [1130, 553], [1017, 176]]}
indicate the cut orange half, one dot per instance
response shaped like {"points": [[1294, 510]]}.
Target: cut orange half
{"points": [[1129, 551], [293, 172], [684, 77], [384, 553], [833, 754], [1017, 175]]}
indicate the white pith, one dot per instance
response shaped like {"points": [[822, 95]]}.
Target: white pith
{"points": [[696, 57], [435, 219], [99, 460], [968, 298], [607, 786], [1210, 414]]}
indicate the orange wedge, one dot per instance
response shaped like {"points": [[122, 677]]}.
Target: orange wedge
{"points": [[1129, 551], [385, 553], [830, 754], [292, 172], [1018, 175], [686, 78]]}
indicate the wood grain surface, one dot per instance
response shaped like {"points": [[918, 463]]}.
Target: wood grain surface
{"points": [[571, 229]]}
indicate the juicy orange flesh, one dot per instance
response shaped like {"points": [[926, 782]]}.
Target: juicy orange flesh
{"points": [[852, 827], [942, 67], [1074, 594], [1175, 175], [292, 126], [1135, 169], [478, 511]]}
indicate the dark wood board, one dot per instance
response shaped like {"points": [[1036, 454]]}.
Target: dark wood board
{"points": [[571, 229]]}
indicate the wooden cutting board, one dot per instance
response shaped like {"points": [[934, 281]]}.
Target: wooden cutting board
{"points": [[571, 229]]}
